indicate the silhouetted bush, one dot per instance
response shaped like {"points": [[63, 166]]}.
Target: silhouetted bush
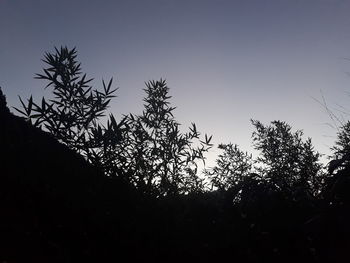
{"points": [[232, 167], [285, 159], [285, 163], [72, 115], [155, 155]]}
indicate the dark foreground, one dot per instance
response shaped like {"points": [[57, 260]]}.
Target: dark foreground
{"points": [[55, 207]]}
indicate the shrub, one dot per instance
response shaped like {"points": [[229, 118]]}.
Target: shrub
{"points": [[285, 159], [232, 167], [157, 157], [72, 115]]}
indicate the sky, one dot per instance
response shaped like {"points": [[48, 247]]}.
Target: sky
{"points": [[225, 61]]}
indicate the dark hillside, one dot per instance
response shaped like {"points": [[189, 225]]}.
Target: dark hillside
{"points": [[54, 205]]}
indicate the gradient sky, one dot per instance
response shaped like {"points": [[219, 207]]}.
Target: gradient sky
{"points": [[225, 61]]}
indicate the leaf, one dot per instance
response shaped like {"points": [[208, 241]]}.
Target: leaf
{"points": [[19, 110], [109, 85], [30, 105], [113, 122], [27, 109], [105, 104], [39, 76]]}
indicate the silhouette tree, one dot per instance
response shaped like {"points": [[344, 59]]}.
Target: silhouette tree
{"points": [[336, 190], [156, 156], [341, 149], [232, 167], [285, 163], [285, 159]]}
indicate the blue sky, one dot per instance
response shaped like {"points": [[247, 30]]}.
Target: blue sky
{"points": [[225, 61]]}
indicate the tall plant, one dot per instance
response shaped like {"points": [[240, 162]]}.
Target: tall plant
{"points": [[159, 158], [72, 115]]}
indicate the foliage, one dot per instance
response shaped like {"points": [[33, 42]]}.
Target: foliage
{"points": [[72, 115], [156, 156], [285, 159], [148, 150], [232, 167], [341, 149], [3, 104]]}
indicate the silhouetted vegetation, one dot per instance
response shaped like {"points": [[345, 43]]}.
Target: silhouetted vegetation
{"points": [[73, 189], [149, 151], [232, 167], [285, 161], [153, 154], [72, 115]]}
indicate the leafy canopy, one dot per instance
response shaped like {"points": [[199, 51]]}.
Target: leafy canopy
{"points": [[232, 167], [285, 161]]}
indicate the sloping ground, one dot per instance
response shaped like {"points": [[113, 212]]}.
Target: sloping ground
{"points": [[55, 207]]}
